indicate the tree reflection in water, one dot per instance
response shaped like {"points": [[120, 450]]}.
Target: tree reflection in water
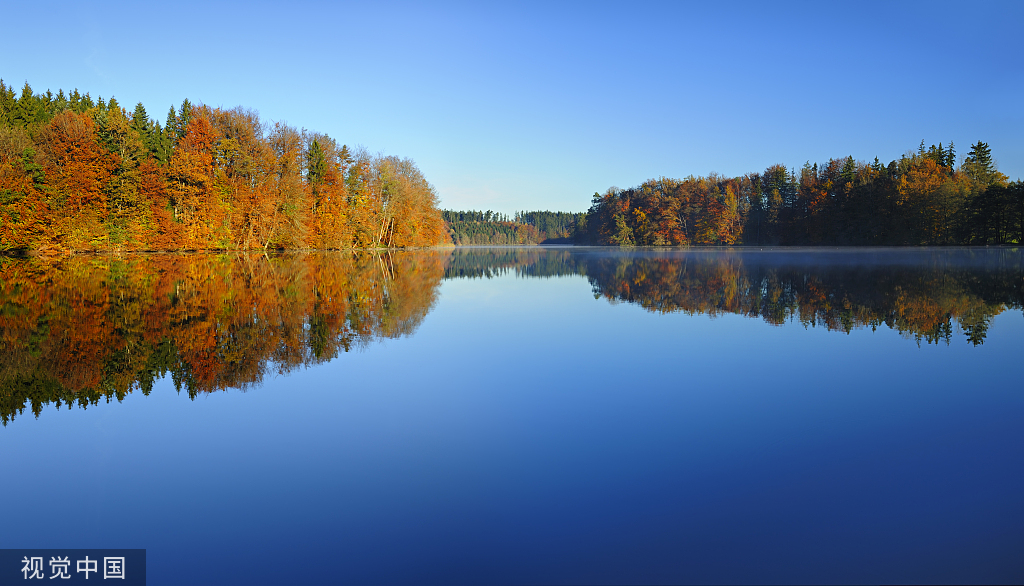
{"points": [[81, 329]]}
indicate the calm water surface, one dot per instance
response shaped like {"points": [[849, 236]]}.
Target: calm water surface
{"points": [[521, 415]]}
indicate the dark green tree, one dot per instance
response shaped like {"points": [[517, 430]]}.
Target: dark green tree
{"points": [[316, 169], [979, 164]]}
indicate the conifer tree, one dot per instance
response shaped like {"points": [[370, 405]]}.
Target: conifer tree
{"points": [[25, 109], [979, 164], [316, 170], [7, 103], [184, 117], [623, 233]]}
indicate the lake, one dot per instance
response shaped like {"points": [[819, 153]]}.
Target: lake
{"points": [[521, 415]]}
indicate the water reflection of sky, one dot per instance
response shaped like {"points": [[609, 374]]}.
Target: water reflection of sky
{"points": [[528, 433]]}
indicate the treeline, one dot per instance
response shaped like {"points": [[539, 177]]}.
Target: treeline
{"points": [[84, 174], [77, 330], [924, 198], [493, 228]]}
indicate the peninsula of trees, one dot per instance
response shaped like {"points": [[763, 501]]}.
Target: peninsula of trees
{"points": [[924, 198], [84, 174]]}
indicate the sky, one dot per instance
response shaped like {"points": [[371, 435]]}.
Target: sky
{"points": [[527, 106]]}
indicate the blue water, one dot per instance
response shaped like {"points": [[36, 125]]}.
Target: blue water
{"points": [[528, 433]]}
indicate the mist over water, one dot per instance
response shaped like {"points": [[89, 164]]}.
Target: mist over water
{"points": [[521, 415]]}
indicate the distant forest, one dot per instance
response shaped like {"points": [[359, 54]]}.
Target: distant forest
{"points": [[493, 228], [924, 198], [84, 174]]}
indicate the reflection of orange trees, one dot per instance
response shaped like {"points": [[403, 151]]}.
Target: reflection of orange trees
{"points": [[694, 285], [918, 301], [81, 329]]}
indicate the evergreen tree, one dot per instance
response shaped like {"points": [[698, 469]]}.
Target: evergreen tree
{"points": [[184, 117], [171, 126], [7, 104], [979, 165], [316, 170], [61, 103], [623, 233], [25, 110], [140, 120], [86, 103], [148, 133]]}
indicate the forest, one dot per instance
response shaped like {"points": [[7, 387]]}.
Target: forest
{"points": [[78, 174], [924, 198], [523, 228]]}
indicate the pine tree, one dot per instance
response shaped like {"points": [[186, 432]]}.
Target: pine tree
{"points": [[979, 164], [61, 103], [184, 117], [623, 233], [171, 125], [316, 170], [140, 120], [25, 109], [7, 104], [143, 126]]}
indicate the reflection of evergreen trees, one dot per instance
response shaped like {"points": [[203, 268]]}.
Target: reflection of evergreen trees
{"points": [[492, 262], [84, 329], [920, 293]]}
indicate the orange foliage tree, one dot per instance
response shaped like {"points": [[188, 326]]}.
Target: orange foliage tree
{"points": [[85, 175]]}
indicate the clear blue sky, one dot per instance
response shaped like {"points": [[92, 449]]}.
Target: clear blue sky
{"points": [[539, 105]]}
